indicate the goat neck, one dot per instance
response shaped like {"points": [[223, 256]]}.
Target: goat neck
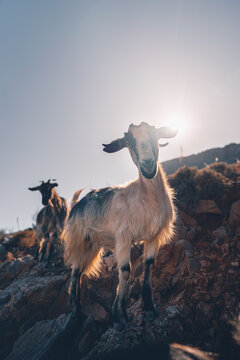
{"points": [[155, 185], [54, 201]]}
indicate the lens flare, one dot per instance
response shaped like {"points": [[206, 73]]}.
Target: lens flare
{"points": [[177, 121]]}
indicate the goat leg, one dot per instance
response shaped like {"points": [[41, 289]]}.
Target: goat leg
{"points": [[50, 250], [148, 304], [37, 253], [44, 248], [74, 292], [119, 307]]}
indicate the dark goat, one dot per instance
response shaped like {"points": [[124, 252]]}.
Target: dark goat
{"points": [[51, 219]]}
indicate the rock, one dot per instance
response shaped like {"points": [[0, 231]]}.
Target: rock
{"points": [[97, 312], [234, 217], [47, 339], [139, 332], [155, 352], [30, 299], [188, 220], [9, 270], [195, 302], [2, 252], [208, 207], [221, 234], [208, 215], [109, 265], [9, 241], [183, 250], [4, 297], [238, 231], [87, 336]]}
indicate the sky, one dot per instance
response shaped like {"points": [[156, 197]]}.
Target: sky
{"points": [[75, 74]]}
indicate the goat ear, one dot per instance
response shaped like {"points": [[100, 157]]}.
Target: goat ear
{"points": [[54, 184], [166, 132], [34, 188], [163, 145], [115, 145]]}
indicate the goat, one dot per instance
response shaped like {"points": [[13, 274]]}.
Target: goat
{"points": [[52, 218], [115, 217]]}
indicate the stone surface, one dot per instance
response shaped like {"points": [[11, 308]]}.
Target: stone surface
{"points": [[195, 283], [47, 339], [234, 217], [26, 301], [9, 270], [3, 252], [208, 207], [97, 312]]}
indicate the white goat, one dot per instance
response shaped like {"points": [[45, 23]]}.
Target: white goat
{"points": [[116, 217]]}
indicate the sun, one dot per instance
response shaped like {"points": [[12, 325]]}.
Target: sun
{"points": [[176, 121]]}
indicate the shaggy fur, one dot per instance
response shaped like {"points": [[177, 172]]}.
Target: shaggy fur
{"points": [[52, 218], [116, 217], [142, 210]]}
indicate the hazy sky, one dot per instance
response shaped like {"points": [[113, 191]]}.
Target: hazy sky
{"points": [[75, 74]]}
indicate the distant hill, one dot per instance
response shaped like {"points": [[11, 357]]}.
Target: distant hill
{"points": [[229, 154]]}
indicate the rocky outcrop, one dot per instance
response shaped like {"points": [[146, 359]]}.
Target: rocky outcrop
{"points": [[234, 217], [195, 287]]}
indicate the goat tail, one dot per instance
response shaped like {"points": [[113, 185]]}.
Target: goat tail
{"points": [[82, 250], [75, 198]]}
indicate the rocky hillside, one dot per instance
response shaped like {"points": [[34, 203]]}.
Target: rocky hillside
{"points": [[229, 154], [195, 285]]}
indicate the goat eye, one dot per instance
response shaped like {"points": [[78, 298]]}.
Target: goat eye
{"points": [[145, 148]]}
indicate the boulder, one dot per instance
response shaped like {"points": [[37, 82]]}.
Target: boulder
{"points": [[234, 217], [47, 339], [26, 301], [97, 312], [3, 252], [220, 234], [9, 270], [208, 207]]}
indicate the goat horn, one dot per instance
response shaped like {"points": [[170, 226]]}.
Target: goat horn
{"points": [[163, 145], [166, 132], [34, 188], [115, 145]]}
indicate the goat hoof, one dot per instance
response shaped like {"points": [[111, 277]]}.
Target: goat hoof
{"points": [[41, 258], [150, 315], [74, 314], [74, 308], [118, 326]]}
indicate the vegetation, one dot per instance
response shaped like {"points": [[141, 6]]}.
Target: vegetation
{"points": [[213, 182]]}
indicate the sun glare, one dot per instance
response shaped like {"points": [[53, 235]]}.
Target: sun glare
{"points": [[176, 121]]}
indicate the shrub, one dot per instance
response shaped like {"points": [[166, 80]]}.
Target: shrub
{"points": [[182, 181], [191, 184], [230, 171], [210, 184]]}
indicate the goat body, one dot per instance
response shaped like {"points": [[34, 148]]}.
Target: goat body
{"points": [[52, 218], [50, 223], [116, 217]]}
